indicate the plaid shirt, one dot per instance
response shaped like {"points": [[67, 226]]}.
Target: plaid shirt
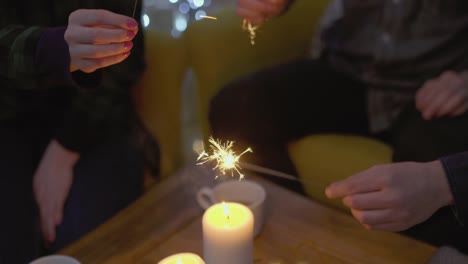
{"points": [[395, 46], [25, 83]]}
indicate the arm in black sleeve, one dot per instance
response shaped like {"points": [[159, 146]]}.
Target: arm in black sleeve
{"points": [[456, 168], [101, 108]]}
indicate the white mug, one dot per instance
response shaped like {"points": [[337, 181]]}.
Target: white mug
{"points": [[55, 259], [248, 193]]}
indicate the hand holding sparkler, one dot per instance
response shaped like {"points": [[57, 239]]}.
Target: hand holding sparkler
{"points": [[394, 197], [98, 38], [256, 12]]}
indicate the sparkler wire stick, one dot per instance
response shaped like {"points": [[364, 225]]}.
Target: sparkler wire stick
{"points": [[279, 174], [226, 160], [134, 8]]}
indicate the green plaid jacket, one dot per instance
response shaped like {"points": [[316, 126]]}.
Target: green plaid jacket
{"points": [[26, 88]]}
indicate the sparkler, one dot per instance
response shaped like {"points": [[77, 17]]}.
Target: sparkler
{"points": [[134, 8], [209, 17], [280, 174], [227, 160], [224, 156], [247, 26]]}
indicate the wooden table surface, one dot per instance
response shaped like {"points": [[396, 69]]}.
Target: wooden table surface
{"points": [[167, 220]]}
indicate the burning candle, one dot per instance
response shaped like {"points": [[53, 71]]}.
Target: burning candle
{"points": [[182, 258], [228, 234]]}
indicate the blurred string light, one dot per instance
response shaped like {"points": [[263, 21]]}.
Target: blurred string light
{"points": [[182, 12], [180, 23], [146, 20], [184, 8], [200, 14], [198, 3]]}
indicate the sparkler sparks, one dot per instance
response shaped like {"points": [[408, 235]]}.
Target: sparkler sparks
{"points": [[224, 156], [209, 17], [247, 26]]}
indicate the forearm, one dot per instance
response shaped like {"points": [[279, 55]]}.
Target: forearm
{"points": [[34, 53], [105, 98], [104, 103], [456, 168], [440, 183], [17, 55], [52, 56]]}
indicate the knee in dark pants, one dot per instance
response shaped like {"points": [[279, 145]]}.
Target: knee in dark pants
{"points": [[225, 114], [19, 228], [19, 223], [416, 139], [240, 113], [106, 180]]}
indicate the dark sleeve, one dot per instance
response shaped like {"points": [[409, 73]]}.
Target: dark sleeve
{"points": [[52, 55], [34, 53], [105, 107], [456, 168], [18, 50]]}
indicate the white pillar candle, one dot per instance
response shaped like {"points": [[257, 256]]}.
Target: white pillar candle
{"points": [[182, 258], [228, 234]]}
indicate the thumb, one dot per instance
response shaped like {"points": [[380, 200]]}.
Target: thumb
{"points": [[58, 217], [48, 228], [358, 183]]}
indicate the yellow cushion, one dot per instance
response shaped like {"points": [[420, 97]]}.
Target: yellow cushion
{"points": [[220, 51], [159, 95], [324, 159]]}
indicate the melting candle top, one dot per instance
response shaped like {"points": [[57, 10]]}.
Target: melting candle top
{"points": [[228, 215]]}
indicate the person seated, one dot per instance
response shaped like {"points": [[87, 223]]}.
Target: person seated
{"points": [[396, 71], [71, 154]]}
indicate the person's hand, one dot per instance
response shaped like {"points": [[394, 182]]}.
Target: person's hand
{"points": [[257, 11], [394, 197], [446, 95], [98, 38], [52, 182]]}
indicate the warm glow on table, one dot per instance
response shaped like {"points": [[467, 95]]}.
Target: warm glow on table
{"points": [[182, 258], [228, 234]]}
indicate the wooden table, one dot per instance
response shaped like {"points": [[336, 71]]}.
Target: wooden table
{"points": [[167, 220]]}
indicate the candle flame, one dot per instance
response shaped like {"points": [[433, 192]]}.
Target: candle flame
{"points": [[224, 156], [179, 261], [226, 210]]}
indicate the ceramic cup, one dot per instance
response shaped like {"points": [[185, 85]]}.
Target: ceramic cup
{"points": [[248, 193], [55, 259]]}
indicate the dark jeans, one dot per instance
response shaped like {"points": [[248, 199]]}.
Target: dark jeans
{"points": [[271, 108], [106, 179]]}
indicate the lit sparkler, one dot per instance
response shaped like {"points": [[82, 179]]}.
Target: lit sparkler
{"points": [[247, 26], [209, 17], [134, 8], [224, 156], [227, 160]]}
